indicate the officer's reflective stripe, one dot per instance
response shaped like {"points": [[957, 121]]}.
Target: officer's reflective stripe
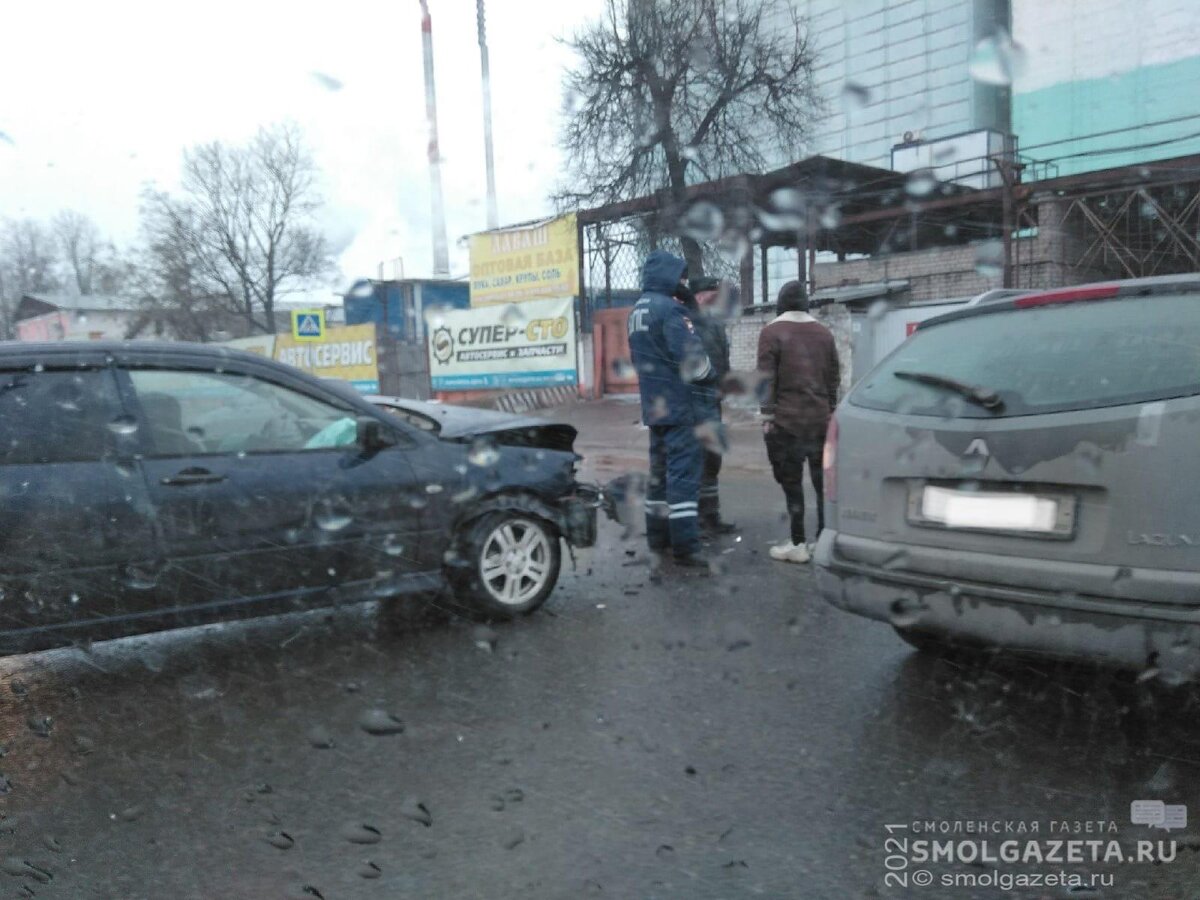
{"points": [[684, 514], [683, 504]]}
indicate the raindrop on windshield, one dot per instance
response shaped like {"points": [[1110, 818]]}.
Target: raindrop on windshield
{"points": [[280, 840], [357, 833], [855, 95], [920, 183], [512, 317], [733, 246], [989, 258], [692, 367], [702, 221], [434, 488], [623, 369], [831, 217], [997, 59], [484, 638], [123, 425], [327, 81], [483, 453], [330, 519], [712, 437], [414, 809], [906, 612], [320, 738], [369, 870], [392, 545], [877, 309], [380, 722]]}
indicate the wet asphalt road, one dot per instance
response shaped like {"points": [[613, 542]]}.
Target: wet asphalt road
{"points": [[697, 738]]}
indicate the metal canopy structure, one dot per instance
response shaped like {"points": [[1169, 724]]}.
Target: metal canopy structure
{"points": [[1123, 222]]}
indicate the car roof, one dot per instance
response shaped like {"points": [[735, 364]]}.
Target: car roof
{"points": [[1100, 290], [123, 350]]}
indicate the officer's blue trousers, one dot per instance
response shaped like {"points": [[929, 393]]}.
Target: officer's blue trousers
{"points": [[672, 496]]}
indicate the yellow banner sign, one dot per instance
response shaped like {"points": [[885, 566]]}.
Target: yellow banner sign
{"points": [[533, 262], [344, 353]]}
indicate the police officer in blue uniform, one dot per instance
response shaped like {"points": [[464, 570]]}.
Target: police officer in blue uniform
{"points": [[669, 359]]}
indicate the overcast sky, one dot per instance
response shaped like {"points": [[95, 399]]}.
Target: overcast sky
{"points": [[99, 99]]}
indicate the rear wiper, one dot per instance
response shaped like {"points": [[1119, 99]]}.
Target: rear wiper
{"points": [[985, 397]]}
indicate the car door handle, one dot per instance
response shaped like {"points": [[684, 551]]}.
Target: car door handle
{"points": [[192, 475]]}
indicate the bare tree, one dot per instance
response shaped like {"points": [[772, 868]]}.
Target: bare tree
{"points": [[245, 223], [670, 92], [27, 262], [81, 247]]}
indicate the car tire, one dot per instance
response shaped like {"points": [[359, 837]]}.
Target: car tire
{"points": [[508, 564]]}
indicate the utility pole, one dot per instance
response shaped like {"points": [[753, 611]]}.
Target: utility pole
{"points": [[493, 214], [441, 250]]}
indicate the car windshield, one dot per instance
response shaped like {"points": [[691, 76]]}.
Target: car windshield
{"points": [[697, 449]]}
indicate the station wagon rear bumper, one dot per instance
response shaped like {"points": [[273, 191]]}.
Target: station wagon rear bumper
{"points": [[1135, 634]]}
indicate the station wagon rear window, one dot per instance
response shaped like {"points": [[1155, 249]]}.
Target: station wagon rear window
{"points": [[1047, 359]]}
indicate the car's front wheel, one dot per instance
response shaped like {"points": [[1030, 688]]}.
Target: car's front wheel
{"points": [[508, 564]]}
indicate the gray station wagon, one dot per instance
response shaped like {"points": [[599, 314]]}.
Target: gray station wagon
{"points": [[1022, 474]]}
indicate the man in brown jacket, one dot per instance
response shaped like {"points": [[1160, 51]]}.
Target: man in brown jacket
{"points": [[798, 359]]}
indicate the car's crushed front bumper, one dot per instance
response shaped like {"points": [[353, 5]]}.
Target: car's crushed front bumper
{"points": [[1126, 633]]}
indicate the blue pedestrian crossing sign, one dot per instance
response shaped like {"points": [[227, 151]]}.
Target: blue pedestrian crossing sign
{"points": [[308, 324]]}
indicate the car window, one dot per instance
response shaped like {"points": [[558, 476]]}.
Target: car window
{"points": [[189, 413], [50, 417], [1052, 358]]}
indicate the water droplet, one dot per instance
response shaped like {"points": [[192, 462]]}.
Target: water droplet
{"points": [[512, 317], [831, 217], [320, 738], [702, 221], [369, 870], [623, 369], [997, 59], [513, 839], [357, 833], [665, 851], [693, 366], [484, 638], [483, 453], [42, 726], [6, 784], [712, 437], [659, 408], [906, 611], [380, 722], [392, 545], [330, 518], [328, 82], [51, 843], [434, 488], [280, 840], [733, 246], [20, 868], [920, 183], [876, 310], [414, 809], [855, 95], [123, 425], [989, 258]]}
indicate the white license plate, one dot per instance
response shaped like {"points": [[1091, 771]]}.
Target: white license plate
{"points": [[993, 511]]}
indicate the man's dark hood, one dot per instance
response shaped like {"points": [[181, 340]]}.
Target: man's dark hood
{"points": [[661, 272]]}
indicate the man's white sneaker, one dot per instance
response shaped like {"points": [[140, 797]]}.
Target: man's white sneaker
{"points": [[789, 552]]}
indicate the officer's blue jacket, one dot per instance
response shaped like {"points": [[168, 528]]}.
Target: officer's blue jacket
{"points": [[666, 350]]}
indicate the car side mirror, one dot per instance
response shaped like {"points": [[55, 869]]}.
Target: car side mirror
{"points": [[373, 435]]}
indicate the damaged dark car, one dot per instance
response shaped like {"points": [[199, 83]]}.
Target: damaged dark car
{"points": [[151, 486]]}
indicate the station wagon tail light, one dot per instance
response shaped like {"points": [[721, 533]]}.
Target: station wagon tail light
{"points": [[1068, 295], [829, 460]]}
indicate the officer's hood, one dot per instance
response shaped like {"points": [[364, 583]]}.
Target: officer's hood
{"points": [[661, 272]]}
